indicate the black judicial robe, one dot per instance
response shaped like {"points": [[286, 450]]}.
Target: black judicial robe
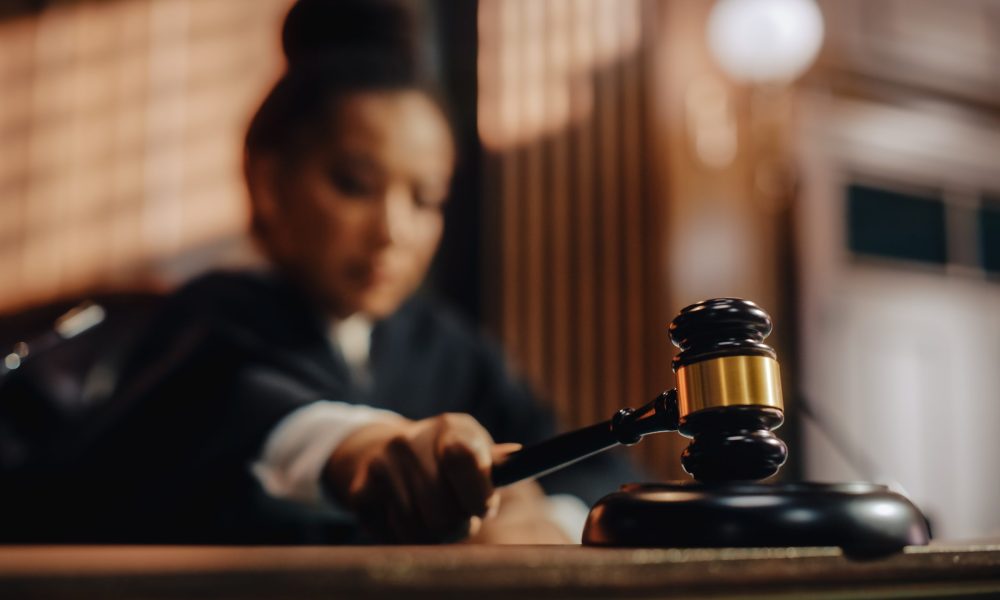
{"points": [[229, 355]]}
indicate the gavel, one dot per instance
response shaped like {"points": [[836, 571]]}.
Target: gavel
{"points": [[728, 402]]}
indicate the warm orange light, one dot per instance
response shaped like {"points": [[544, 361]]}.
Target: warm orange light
{"points": [[537, 59], [122, 126]]}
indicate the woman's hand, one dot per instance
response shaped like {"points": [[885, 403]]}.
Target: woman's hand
{"points": [[522, 519], [418, 481]]}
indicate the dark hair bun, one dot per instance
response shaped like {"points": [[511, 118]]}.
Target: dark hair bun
{"points": [[317, 30], [334, 48]]}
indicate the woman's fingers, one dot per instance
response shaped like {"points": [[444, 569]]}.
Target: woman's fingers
{"points": [[464, 451], [386, 503], [501, 451], [436, 515], [429, 483], [467, 477], [369, 500]]}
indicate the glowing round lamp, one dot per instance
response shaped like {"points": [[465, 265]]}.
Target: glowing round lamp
{"points": [[765, 41]]}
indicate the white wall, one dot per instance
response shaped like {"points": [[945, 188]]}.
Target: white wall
{"points": [[902, 360]]}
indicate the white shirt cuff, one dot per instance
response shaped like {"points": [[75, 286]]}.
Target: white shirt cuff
{"points": [[569, 513], [297, 449]]}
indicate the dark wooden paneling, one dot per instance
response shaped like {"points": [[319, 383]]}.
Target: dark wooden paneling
{"points": [[580, 229]]}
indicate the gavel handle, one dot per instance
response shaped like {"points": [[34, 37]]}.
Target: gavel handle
{"points": [[627, 427]]}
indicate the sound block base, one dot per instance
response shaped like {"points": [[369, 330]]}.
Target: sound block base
{"points": [[863, 519]]}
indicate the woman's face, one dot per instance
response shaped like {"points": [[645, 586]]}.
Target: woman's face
{"points": [[357, 220]]}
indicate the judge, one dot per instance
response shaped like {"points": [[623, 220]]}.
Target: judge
{"points": [[327, 399]]}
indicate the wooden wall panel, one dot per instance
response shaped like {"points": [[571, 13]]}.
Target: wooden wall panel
{"points": [[563, 115], [121, 125]]}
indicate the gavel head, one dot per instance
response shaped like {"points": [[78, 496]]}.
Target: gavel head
{"points": [[728, 391]]}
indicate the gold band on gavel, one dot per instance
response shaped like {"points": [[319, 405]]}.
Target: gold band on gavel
{"points": [[729, 381]]}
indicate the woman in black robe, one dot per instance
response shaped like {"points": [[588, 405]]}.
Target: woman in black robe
{"points": [[245, 411]]}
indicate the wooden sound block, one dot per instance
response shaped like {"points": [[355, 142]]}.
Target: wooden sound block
{"points": [[863, 519]]}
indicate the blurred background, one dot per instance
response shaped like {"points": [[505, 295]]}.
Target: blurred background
{"points": [[838, 162]]}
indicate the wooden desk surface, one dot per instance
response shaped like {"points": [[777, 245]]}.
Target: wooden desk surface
{"points": [[483, 573]]}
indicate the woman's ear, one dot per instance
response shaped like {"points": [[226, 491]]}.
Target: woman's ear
{"points": [[261, 173]]}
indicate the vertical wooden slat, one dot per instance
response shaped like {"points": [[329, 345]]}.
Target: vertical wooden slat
{"points": [[534, 304], [15, 109], [85, 236], [662, 452], [560, 262], [508, 41], [586, 289], [165, 168], [41, 266], [511, 317], [126, 179], [610, 244], [634, 257], [489, 122]]}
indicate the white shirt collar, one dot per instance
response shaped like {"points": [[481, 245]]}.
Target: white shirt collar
{"points": [[353, 336]]}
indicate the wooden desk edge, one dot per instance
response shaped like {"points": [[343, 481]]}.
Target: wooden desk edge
{"points": [[526, 571]]}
